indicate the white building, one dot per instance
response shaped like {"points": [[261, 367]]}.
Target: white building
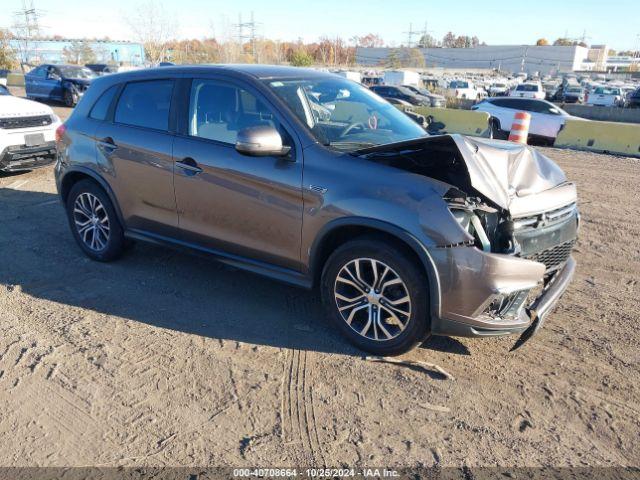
{"points": [[544, 60]]}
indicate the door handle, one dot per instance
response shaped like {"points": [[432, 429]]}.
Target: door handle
{"points": [[189, 166], [107, 144]]}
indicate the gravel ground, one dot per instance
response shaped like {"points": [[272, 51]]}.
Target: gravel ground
{"points": [[166, 359]]}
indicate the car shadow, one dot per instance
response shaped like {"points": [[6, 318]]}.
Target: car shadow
{"points": [[160, 287]]}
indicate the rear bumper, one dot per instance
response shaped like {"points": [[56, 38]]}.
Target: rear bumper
{"points": [[18, 158]]}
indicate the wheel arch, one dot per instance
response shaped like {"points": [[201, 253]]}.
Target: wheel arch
{"points": [[77, 174], [340, 231]]}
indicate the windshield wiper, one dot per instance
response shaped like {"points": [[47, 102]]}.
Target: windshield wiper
{"points": [[351, 144]]}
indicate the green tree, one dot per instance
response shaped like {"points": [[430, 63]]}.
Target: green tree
{"points": [[413, 58], [79, 53], [427, 41], [301, 58], [564, 42]]}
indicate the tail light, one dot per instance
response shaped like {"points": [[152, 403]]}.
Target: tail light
{"points": [[60, 131]]}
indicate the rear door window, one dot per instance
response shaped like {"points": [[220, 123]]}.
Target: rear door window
{"points": [[145, 104]]}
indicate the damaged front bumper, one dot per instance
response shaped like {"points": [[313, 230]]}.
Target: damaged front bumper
{"points": [[486, 294]]}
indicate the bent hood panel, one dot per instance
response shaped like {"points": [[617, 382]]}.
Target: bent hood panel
{"points": [[507, 171], [515, 177]]}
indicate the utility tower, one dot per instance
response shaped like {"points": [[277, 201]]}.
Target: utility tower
{"points": [[27, 28], [410, 34], [250, 27]]}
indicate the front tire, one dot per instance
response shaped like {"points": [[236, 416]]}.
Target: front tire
{"points": [[70, 98], [94, 222], [377, 296]]}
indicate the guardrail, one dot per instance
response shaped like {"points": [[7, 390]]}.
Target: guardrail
{"points": [[601, 137], [604, 114], [448, 120]]}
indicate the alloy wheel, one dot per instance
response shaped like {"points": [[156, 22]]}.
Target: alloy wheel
{"points": [[372, 299], [91, 221]]}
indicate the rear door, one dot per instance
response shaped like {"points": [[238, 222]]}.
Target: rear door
{"points": [[135, 148], [238, 204]]}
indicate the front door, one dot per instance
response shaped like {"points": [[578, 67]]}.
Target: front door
{"points": [[52, 84], [243, 205]]}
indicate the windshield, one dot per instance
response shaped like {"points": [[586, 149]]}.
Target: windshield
{"points": [[458, 84], [344, 114], [76, 72], [527, 88], [574, 90]]}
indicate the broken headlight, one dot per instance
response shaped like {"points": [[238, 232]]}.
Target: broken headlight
{"points": [[471, 223]]}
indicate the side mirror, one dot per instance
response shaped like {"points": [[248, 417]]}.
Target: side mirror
{"points": [[262, 141]]}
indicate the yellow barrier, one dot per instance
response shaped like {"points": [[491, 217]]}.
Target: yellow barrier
{"points": [[449, 120], [15, 80], [605, 137]]}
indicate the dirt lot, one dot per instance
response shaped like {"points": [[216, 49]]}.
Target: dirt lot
{"points": [[167, 359]]}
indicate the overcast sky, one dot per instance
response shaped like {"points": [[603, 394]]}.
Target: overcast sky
{"points": [[615, 22]]}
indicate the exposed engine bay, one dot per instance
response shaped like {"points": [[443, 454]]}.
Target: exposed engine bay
{"points": [[509, 198]]}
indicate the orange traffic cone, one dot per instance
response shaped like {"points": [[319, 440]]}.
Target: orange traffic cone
{"points": [[520, 128]]}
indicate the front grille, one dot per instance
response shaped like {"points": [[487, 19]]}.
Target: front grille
{"points": [[25, 122], [553, 257]]}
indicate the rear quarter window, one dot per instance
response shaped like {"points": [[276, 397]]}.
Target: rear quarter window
{"points": [[145, 104], [100, 109]]}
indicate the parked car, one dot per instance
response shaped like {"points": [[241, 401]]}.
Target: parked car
{"points": [[633, 100], [606, 97], [546, 118], [572, 94], [406, 235], [3, 76], [27, 133], [401, 93], [464, 90], [550, 91], [102, 68], [64, 83], [401, 77], [529, 90], [436, 100], [498, 89], [371, 81]]}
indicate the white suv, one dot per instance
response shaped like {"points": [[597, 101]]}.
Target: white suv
{"points": [[529, 90], [27, 133], [606, 97], [546, 118]]}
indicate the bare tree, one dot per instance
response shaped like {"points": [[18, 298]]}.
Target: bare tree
{"points": [[154, 27]]}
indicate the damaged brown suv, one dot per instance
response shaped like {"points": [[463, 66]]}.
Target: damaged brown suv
{"points": [[314, 180]]}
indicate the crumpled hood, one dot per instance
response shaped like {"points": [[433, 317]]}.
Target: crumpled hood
{"points": [[507, 171], [11, 106], [514, 177]]}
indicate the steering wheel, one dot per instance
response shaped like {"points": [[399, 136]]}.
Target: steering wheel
{"points": [[349, 128]]}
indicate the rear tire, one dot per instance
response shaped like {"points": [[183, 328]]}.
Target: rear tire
{"points": [[94, 222], [384, 313]]}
